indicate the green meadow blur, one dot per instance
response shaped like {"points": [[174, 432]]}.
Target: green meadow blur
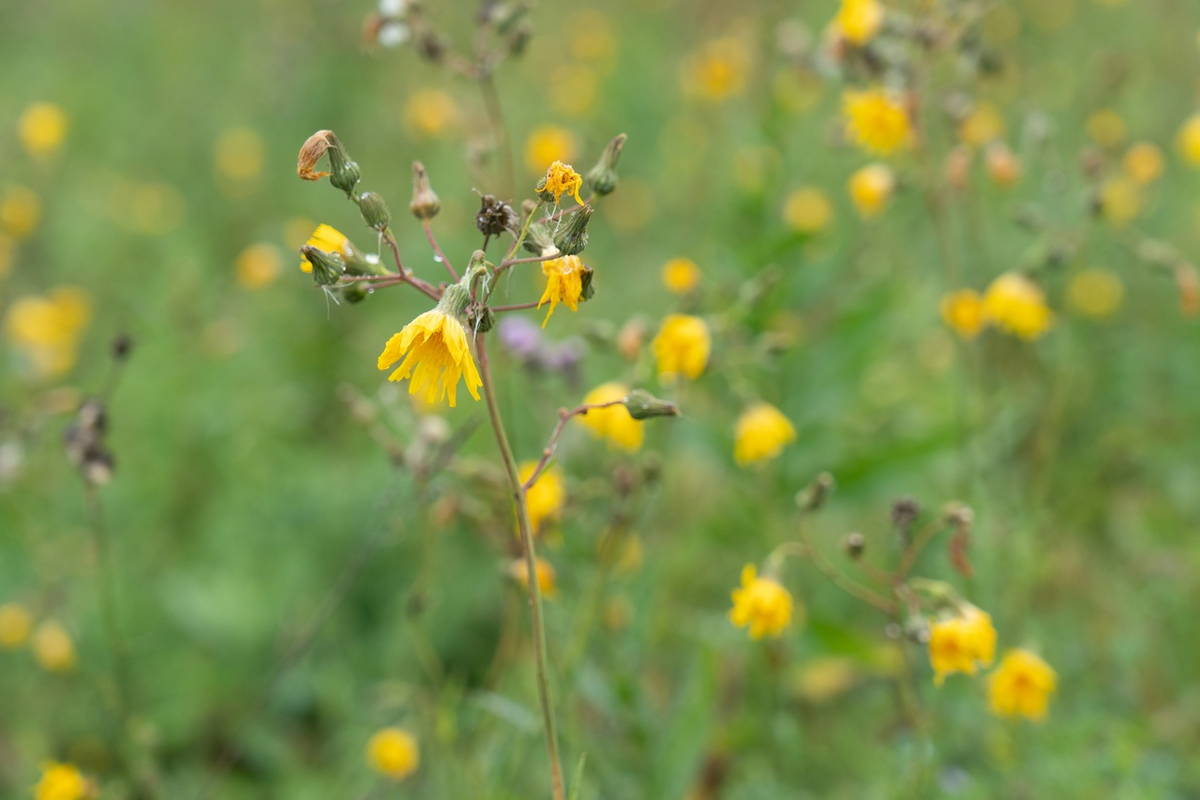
{"points": [[248, 484]]}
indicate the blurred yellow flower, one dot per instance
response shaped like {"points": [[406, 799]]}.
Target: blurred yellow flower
{"points": [[876, 121], [547, 578], [718, 71], [239, 154], [20, 212], [807, 210], [545, 498], [1016, 304], [592, 37], [871, 188], [562, 179], [259, 265], [547, 145], [681, 275], [42, 129], [564, 283], [1106, 127], [1144, 162], [961, 643], [859, 20], [981, 126], [1095, 293], [573, 88], [393, 753], [53, 648], [1120, 200], [62, 782], [430, 113], [963, 313], [761, 433], [1003, 166], [762, 604], [15, 625], [682, 347], [329, 239], [1021, 686], [613, 423], [47, 329], [436, 355]]}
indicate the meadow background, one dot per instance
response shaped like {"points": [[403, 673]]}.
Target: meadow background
{"points": [[251, 428]]}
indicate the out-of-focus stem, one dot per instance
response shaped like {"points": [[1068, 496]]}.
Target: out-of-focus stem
{"points": [[492, 100]]}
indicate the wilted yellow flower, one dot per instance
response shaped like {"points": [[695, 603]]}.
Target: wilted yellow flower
{"points": [[682, 346], [430, 112], [762, 604], [46, 329], [1120, 200], [761, 433], [807, 210], [961, 643], [562, 179], [718, 71], [1017, 305], [1003, 166], [61, 782], [963, 313], [549, 144], [545, 498], [53, 648], [1106, 127], [42, 129], [1021, 686], [15, 624], [681, 275], [20, 212], [239, 154], [871, 188], [875, 121], [564, 283], [436, 355], [1095, 293], [393, 753], [1144, 162], [1189, 140], [329, 239], [258, 265], [547, 579], [859, 20], [612, 423]]}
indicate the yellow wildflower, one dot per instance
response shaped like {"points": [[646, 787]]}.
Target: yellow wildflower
{"points": [[258, 265], [871, 188], [545, 498], [1189, 139], [1120, 200], [393, 753], [329, 239], [612, 423], [682, 346], [549, 144], [981, 126], [962, 311], [1021, 686], [564, 283], [436, 355], [1003, 166], [762, 604], [761, 433], [1016, 304], [875, 121], [562, 179], [53, 648], [239, 154], [430, 112], [807, 210], [1106, 127], [1095, 293], [1144, 162], [681, 275], [961, 643], [547, 578], [15, 624], [61, 782], [859, 20], [46, 329], [42, 129], [718, 71], [20, 212]]}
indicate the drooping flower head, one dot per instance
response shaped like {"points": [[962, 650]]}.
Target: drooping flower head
{"points": [[435, 351], [762, 604], [871, 188], [561, 179], [393, 753], [962, 311], [329, 239], [961, 643], [859, 20], [564, 283], [545, 498], [1021, 686], [1017, 305], [682, 346], [761, 433], [876, 121], [613, 423], [61, 782]]}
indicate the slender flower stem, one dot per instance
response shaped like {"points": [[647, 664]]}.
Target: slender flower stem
{"points": [[531, 260], [437, 250], [563, 416], [806, 548], [535, 593], [516, 306], [508, 258], [106, 582], [406, 276]]}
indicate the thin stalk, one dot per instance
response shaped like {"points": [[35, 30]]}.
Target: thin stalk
{"points": [[106, 583], [437, 250], [492, 100]]}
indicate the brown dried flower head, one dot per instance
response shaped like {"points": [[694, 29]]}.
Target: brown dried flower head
{"points": [[312, 151]]}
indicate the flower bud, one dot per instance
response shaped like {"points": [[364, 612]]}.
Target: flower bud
{"points": [[311, 152], [642, 405], [496, 216], [586, 290], [344, 172], [479, 318], [425, 204], [539, 239], [572, 238], [355, 292], [812, 497], [327, 268], [855, 544], [374, 211], [603, 177]]}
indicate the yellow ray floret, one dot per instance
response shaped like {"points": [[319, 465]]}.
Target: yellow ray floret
{"points": [[436, 355], [564, 283]]}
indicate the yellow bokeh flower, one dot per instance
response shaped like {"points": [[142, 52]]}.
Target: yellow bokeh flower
{"points": [[20, 212], [42, 129], [46, 330], [1002, 164], [239, 154], [15, 625], [876, 121], [682, 347], [981, 126], [430, 113], [564, 283], [681, 275], [53, 647], [1095, 293], [1144, 162], [562, 179], [761, 433], [613, 423], [1120, 200], [762, 604], [393, 753], [1016, 304], [871, 187], [259, 265], [859, 20], [807, 210], [1021, 686], [961, 643], [329, 239], [963, 313], [547, 578], [61, 782], [545, 499], [718, 71], [435, 355], [547, 145], [1106, 127], [1189, 140]]}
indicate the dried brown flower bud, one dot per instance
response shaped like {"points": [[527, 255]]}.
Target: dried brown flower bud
{"points": [[854, 544], [496, 216], [311, 152]]}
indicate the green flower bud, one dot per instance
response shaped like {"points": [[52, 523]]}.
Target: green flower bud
{"points": [[586, 290], [355, 292], [374, 210], [344, 172], [603, 177], [572, 238], [425, 204], [642, 405], [327, 268]]}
